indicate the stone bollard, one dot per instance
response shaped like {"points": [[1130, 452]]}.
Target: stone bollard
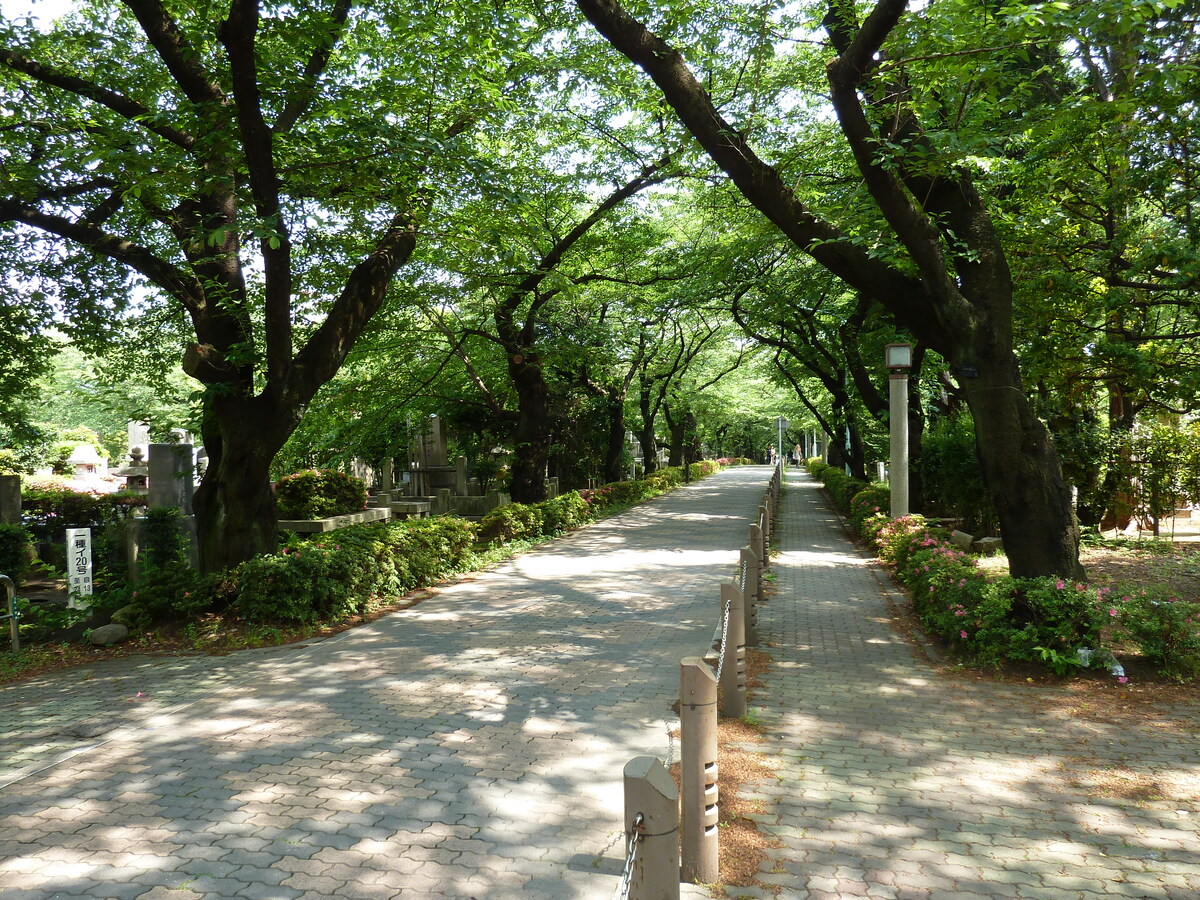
{"points": [[652, 823], [698, 770], [749, 589], [759, 545], [733, 651]]}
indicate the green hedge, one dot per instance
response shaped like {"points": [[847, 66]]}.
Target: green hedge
{"points": [[343, 572], [49, 509], [318, 493], [346, 572]]}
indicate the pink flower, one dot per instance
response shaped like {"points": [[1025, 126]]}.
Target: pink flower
{"points": [[1124, 679], [1059, 585], [962, 634], [1112, 612]]}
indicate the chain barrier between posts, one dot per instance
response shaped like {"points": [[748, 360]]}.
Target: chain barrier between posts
{"points": [[724, 637], [631, 849]]}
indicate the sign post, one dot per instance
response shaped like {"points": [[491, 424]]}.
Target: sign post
{"points": [[79, 567]]}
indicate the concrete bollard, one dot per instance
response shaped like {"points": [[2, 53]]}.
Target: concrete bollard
{"points": [[764, 522], [749, 589], [650, 794], [758, 544], [698, 770], [733, 666]]}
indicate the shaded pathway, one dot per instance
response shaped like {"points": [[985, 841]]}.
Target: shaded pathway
{"points": [[898, 782], [471, 746]]}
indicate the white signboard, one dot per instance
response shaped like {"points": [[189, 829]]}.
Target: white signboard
{"points": [[79, 566]]}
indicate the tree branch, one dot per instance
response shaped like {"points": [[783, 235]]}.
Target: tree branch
{"points": [[123, 106], [298, 104], [237, 34], [176, 51]]}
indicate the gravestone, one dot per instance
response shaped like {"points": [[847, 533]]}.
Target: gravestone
{"points": [[171, 476], [138, 435], [10, 499], [434, 444]]}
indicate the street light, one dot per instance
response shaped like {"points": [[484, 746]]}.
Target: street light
{"points": [[781, 423], [898, 359]]}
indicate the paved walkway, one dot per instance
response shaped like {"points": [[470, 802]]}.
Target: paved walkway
{"points": [[471, 746], [898, 782]]}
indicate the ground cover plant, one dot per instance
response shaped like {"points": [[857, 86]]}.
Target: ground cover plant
{"points": [[986, 618]]}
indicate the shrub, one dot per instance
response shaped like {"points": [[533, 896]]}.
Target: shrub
{"points": [[1165, 628], [871, 501], [564, 513], [344, 572], [48, 509], [951, 476], [11, 463], [14, 552], [167, 585], [1041, 620], [511, 522], [318, 493]]}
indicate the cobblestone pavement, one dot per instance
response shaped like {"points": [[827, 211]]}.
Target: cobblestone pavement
{"points": [[471, 746], [895, 781]]}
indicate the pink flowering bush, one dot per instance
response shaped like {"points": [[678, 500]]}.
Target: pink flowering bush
{"points": [[1165, 627], [866, 504], [1040, 620]]}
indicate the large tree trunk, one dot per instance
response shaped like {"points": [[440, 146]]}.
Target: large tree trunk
{"points": [[531, 451], [676, 429], [614, 454], [1022, 472], [646, 435], [235, 502]]}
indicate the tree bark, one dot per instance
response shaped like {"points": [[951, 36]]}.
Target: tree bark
{"points": [[531, 450], [614, 453], [235, 509]]}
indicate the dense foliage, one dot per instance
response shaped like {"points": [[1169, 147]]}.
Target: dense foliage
{"points": [[316, 494]]}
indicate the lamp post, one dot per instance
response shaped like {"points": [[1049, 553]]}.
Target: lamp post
{"points": [[898, 359], [781, 423]]}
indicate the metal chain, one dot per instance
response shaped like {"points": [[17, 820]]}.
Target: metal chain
{"points": [[635, 836], [724, 637], [745, 574]]}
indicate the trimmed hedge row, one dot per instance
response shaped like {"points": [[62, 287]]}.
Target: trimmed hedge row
{"points": [[984, 621], [347, 572]]}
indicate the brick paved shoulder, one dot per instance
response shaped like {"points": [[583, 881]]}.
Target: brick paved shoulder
{"points": [[469, 747], [896, 781]]}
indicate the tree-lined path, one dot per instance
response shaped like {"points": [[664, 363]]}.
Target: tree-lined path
{"points": [[471, 746], [899, 781]]}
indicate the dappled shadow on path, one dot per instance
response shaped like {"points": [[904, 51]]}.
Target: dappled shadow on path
{"points": [[469, 746], [901, 778]]}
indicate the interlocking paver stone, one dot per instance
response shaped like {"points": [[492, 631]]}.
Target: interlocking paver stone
{"points": [[472, 745], [940, 786]]}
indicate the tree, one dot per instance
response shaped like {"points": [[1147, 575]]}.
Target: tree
{"points": [[266, 175], [950, 286]]}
